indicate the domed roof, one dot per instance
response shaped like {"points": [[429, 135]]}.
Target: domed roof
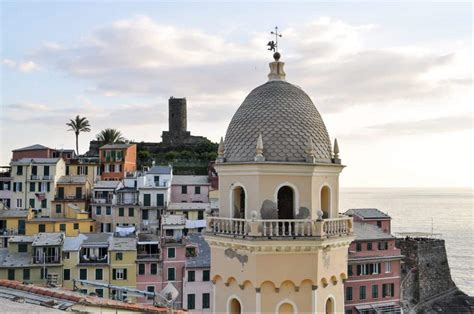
{"points": [[286, 118]]}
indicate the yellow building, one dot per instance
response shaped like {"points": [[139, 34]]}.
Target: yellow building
{"points": [[279, 244], [32, 258], [84, 166], [71, 189], [103, 259]]}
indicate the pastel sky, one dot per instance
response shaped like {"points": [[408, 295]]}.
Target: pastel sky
{"points": [[393, 81]]}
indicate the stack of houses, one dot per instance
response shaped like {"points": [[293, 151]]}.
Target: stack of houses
{"points": [[101, 227]]}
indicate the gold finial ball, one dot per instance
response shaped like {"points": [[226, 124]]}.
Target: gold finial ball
{"points": [[276, 56]]}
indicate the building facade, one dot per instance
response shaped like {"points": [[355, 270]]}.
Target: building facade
{"points": [[117, 160]]}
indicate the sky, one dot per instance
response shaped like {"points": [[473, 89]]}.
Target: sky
{"points": [[392, 80]]}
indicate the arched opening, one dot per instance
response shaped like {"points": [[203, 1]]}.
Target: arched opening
{"points": [[238, 202], [326, 201], [286, 201], [329, 306], [286, 308], [235, 307]]}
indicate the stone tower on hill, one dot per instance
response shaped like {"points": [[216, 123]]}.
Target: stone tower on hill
{"points": [[177, 123]]}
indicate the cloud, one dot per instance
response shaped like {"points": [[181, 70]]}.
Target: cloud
{"points": [[435, 125], [31, 107], [25, 67]]}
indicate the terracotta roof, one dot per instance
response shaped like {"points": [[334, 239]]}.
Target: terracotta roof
{"points": [[32, 147], [74, 297]]}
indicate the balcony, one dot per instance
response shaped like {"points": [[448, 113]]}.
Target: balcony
{"points": [[70, 198], [94, 255], [47, 178], [102, 200], [279, 228], [46, 259], [35, 177]]}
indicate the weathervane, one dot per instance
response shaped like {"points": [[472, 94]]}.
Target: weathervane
{"points": [[273, 45]]}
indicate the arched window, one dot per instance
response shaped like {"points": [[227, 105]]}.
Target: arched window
{"points": [[286, 201], [238, 202], [329, 308], [286, 308], [235, 307], [326, 201]]}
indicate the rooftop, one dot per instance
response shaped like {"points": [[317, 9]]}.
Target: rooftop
{"points": [[190, 180], [22, 239], [97, 239], [72, 179], [31, 147], [44, 239], [106, 184], [123, 244], [42, 161], [367, 213], [13, 213], [203, 257], [364, 231], [74, 243], [116, 146], [189, 206], [160, 170], [15, 259]]}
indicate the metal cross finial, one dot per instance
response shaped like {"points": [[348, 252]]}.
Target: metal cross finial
{"points": [[273, 45]]}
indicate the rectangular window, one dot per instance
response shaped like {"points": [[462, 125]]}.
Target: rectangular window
{"points": [[99, 291], [206, 300], [191, 276], [348, 293], [119, 274], [48, 186], [349, 270], [369, 246], [19, 203], [379, 224], [19, 170], [20, 187], [11, 274], [22, 248], [131, 212], [66, 255], [58, 208], [76, 226], [206, 275], [118, 256], [153, 269], [46, 170], [388, 267], [358, 246], [375, 291], [99, 274], [32, 186], [184, 189], [388, 290], [150, 289], [362, 293], [141, 269], [67, 274], [98, 210], [62, 227], [83, 274], [197, 190], [160, 200], [145, 214], [108, 210], [41, 228], [121, 212], [171, 274], [43, 273], [383, 246], [146, 199], [200, 215], [34, 170], [191, 301], [44, 203], [26, 274], [171, 252]]}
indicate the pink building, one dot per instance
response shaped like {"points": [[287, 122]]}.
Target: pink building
{"points": [[197, 287], [149, 265], [190, 189], [373, 283], [6, 193]]}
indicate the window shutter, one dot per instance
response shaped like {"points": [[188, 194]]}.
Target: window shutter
{"points": [[125, 274], [48, 186], [114, 274], [87, 170]]}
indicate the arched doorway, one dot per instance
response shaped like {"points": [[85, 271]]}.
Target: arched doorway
{"points": [[238, 202], [326, 201], [235, 307], [286, 308], [286, 201], [329, 306]]}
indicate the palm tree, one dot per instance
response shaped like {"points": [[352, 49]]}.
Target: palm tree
{"points": [[109, 136], [78, 125]]}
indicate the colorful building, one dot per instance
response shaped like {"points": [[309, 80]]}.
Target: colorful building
{"points": [[6, 194], [103, 198], [149, 265], [84, 166], [190, 189], [373, 283], [34, 183], [12, 222], [71, 189], [41, 151], [197, 287], [117, 161]]}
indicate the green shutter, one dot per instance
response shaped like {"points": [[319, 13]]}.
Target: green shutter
{"points": [[125, 274], [114, 274]]}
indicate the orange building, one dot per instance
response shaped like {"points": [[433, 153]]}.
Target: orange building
{"points": [[117, 160]]}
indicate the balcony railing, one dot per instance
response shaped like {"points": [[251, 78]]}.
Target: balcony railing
{"points": [[34, 177], [294, 228], [46, 260], [148, 256], [94, 260], [102, 200], [70, 198], [47, 177]]}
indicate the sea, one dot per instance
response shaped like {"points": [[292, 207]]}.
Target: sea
{"points": [[445, 211]]}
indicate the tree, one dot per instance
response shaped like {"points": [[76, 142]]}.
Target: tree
{"points": [[110, 136], [78, 125]]}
